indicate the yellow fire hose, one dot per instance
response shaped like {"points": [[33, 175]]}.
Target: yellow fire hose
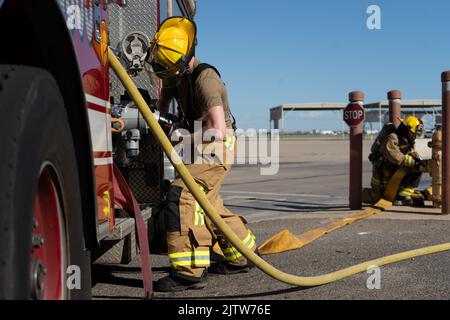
{"points": [[223, 227]]}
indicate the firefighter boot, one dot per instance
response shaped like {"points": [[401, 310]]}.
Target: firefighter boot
{"points": [[225, 267], [176, 282], [404, 201], [408, 196], [418, 199]]}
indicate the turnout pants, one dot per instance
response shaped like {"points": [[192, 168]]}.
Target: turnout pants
{"points": [[191, 234], [380, 179]]}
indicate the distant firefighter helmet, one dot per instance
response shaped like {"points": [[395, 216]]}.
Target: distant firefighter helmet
{"points": [[172, 47], [414, 125]]}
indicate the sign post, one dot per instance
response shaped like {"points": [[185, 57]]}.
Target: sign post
{"points": [[445, 142], [354, 116]]}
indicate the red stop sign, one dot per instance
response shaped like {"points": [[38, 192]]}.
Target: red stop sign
{"points": [[354, 114]]}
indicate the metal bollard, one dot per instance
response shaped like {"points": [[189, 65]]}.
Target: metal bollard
{"points": [[395, 107], [445, 142], [356, 157]]}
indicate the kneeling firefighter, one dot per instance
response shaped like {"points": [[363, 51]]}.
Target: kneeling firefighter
{"points": [[393, 148], [202, 99]]}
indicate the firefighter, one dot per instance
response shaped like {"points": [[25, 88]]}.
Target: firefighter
{"points": [[394, 148], [201, 96]]}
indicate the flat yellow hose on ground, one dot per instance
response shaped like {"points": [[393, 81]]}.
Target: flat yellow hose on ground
{"points": [[286, 241], [215, 217]]}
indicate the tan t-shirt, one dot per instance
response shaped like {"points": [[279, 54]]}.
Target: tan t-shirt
{"points": [[210, 91]]}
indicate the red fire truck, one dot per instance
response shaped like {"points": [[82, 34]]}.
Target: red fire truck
{"points": [[70, 134]]}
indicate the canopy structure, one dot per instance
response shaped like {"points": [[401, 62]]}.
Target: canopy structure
{"points": [[377, 112]]}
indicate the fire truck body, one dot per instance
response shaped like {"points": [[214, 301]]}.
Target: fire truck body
{"points": [[66, 42]]}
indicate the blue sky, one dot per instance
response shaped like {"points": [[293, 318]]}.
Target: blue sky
{"points": [[295, 51]]}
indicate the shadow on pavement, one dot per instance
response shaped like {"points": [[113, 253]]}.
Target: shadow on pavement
{"points": [[104, 274], [119, 281], [117, 297], [240, 296]]}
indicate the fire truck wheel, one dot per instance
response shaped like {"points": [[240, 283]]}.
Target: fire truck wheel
{"points": [[42, 253]]}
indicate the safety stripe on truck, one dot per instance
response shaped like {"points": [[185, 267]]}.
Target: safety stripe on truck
{"points": [[100, 134], [98, 104]]}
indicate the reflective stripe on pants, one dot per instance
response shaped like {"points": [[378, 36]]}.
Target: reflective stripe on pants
{"points": [[231, 253], [407, 192], [199, 215], [192, 258]]}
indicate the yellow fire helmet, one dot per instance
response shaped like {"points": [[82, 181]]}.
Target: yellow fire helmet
{"points": [[172, 47], [414, 124]]}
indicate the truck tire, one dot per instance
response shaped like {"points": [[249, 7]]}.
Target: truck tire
{"points": [[42, 251]]}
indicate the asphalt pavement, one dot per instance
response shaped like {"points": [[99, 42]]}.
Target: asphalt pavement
{"points": [[310, 191]]}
